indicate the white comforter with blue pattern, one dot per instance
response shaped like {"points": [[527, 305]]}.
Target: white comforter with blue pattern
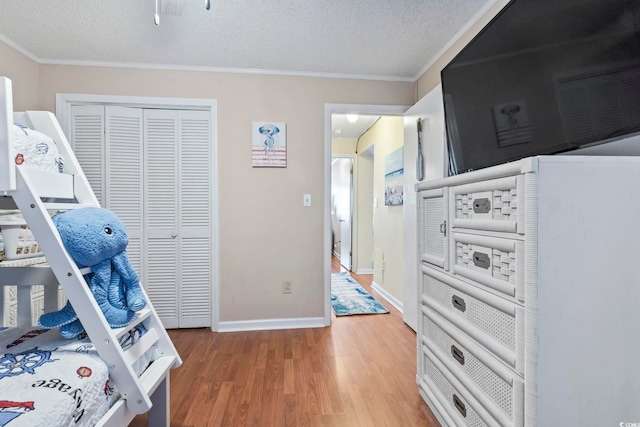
{"points": [[46, 380]]}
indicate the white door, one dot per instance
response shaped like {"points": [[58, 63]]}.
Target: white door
{"points": [[430, 111], [342, 195], [347, 218], [152, 167], [178, 215], [195, 219], [124, 184]]}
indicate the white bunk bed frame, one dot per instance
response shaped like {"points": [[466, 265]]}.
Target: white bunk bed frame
{"points": [[23, 190]]}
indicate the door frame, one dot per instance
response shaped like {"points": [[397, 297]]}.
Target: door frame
{"points": [[64, 102], [329, 110]]}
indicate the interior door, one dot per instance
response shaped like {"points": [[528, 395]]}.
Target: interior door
{"points": [[178, 212], [161, 206], [152, 167], [430, 111], [342, 194], [123, 184]]}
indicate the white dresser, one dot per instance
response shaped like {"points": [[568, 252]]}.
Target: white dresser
{"points": [[529, 293]]}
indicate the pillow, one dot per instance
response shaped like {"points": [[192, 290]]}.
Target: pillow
{"points": [[35, 150]]}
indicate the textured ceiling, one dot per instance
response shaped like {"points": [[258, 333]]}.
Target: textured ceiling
{"points": [[378, 39]]}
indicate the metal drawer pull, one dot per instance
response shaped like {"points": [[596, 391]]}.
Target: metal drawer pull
{"points": [[459, 405], [481, 260], [443, 228], [481, 205], [458, 303], [457, 354]]}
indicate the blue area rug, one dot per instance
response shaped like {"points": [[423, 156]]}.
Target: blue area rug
{"points": [[348, 297]]}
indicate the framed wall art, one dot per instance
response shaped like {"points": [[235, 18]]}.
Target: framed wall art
{"points": [[269, 145], [393, 178]]}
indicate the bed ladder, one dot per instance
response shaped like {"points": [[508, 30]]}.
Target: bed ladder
{"points": [[136, 391]]}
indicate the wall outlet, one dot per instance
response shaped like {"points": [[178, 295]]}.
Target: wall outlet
{"points": [[287, 287]]}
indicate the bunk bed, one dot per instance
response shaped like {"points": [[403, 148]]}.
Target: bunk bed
{"points": [[129, 366]]}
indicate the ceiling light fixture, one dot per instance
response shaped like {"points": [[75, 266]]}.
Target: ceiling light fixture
{"points": [[352, 118]]}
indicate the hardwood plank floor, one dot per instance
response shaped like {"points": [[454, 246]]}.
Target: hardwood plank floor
{"points": [[358, 372]]}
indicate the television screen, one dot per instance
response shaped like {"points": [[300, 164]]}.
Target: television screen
{"points": [[543, 77]]}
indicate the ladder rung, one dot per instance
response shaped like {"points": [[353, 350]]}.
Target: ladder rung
{"points": [[156, 372], [66, 206], [140, 317], [145, 342]]}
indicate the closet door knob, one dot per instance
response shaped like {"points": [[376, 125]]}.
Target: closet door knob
{"points": [[174, 234]]}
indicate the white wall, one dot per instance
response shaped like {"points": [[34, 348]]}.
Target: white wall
{"points": [[386, 136], [364, 227], [266, 235], [24, 74]]}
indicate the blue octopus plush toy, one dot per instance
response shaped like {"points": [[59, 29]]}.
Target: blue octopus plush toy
{"points": [[96, 238]]}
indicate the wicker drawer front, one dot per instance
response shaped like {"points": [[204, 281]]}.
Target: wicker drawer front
{"points": [[494, 262], [492, 321], [459, 403], [500, 388], [496, 205]]}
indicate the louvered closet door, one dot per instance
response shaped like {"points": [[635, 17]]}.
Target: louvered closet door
{"points": [[161, 207], [178, 216], [87, 137], [195, 219], [124, 178]]}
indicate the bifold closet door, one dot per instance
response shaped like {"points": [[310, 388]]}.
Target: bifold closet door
{"points": [[153, 168], [124, 185], [107, 144], [177, 209]]}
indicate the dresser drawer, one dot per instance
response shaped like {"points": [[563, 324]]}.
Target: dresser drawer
{"points": [[494, 205], [494, 262], [499, 388], [455, 399], [492, 321]]}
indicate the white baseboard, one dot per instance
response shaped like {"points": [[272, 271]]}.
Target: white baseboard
{"points": [[271, 324], [365, 271], [387, 296]]}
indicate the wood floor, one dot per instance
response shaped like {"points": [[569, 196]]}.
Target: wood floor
{"points": [[358, 372]]}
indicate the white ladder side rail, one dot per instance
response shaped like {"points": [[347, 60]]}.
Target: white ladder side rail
{"points": [[46, 122], [7, 169], [74, 285]]}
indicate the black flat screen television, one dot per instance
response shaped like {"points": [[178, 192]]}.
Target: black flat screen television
{"points": [[544, 77]]}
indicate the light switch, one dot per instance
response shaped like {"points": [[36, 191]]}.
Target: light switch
{"points": [[307, 200]]}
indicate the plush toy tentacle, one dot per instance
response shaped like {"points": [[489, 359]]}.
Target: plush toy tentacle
{"points": [[116, 294], [71, 330], [59, 318], [116, 317], [135, 297]]}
